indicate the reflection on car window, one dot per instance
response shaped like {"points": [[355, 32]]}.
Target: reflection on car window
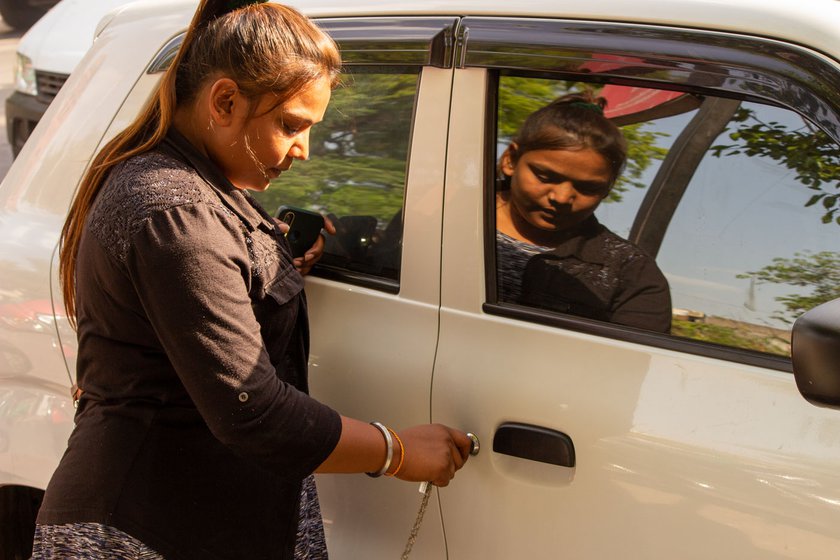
{"points": [[736, 202], [358, 169], [551, 251], [753, 242]]}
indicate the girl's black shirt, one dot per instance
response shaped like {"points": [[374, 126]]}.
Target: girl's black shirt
{"points": [[195, 428], [593, 273]]}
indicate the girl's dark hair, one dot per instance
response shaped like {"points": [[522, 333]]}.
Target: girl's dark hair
{"points": [[573, 122], [263, 47]]}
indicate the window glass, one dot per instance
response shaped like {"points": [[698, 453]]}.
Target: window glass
{"points": [[754, 242], [733, 203], [357, 169]]}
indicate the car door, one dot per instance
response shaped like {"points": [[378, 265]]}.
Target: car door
{"points": [[377, 172], [607, 441]]}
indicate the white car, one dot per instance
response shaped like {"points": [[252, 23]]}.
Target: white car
{"points": [[46, 55], [597, 440]]}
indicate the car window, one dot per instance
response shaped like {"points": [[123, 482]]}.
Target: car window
{"points": [[357, 173], [753, 243], [734, 202]]}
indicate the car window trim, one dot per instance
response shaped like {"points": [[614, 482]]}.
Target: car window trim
{"points": [[360, 279], [409, 40], [724, 64], [747, 68], [420, 41], [492, 306]]}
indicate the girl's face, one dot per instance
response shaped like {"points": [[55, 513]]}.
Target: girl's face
{"points": [[259, 146], [553, 190]]}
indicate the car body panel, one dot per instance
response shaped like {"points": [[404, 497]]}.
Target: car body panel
{"points": [[59, 40], [677, 454], [34, 198], [810, 22], [774, 18], [34, 416], [374, 361]]}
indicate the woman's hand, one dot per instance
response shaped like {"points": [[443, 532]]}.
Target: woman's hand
{"points": [[433, 453], [305, 263]]}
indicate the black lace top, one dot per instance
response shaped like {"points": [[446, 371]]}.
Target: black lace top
{"points": [[195, 429], [593, 273]]}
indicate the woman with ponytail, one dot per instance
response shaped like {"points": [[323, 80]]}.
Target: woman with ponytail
{"points": [[195, 435], [551, 252]]}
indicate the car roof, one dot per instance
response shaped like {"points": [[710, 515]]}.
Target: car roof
{"points": [[812, 23]]}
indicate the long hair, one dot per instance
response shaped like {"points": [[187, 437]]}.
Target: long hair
{"points": [[572, 122], [263, 47]]}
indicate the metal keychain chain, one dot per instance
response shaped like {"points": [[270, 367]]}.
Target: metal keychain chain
{"points": [[426, 490]]}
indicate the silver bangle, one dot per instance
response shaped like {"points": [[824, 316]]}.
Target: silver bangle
{"points": [[389, 451]]}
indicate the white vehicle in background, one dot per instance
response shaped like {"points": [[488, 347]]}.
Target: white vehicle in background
{"points": [[597, 440], [46, 56]]}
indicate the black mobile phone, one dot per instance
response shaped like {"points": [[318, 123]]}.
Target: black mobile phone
{"points": [[304, 228]]}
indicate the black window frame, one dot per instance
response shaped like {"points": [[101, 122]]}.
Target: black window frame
{"points": [[706, 63]]}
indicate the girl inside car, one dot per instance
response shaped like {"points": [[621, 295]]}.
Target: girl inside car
{"points": [[551, 251]]}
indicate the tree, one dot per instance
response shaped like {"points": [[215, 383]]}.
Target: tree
{"points": [[819, 271], [808, 151], [359, 151]]}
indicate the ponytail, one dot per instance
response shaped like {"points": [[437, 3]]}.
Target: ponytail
{"points": [[232, 39]]}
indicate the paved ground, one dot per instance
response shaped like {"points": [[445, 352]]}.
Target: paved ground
{"points": [[8, 45]]}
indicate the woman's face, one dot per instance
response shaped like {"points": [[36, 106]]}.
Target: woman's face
{"points": [[553, 190], [259, 146]]}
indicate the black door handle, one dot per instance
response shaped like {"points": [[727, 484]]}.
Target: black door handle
{"points": [[534, 443]]}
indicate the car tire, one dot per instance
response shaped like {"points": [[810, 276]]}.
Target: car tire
{"points": [[20, 14]]}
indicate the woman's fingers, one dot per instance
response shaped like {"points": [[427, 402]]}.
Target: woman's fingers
{"points": [[463, 443], [433, 453]]}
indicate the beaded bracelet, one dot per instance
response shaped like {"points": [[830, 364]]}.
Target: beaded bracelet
{"points": [[402, 453], [389, 450]]}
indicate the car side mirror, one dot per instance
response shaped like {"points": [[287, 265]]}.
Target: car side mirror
{"points": [[815, 352]]}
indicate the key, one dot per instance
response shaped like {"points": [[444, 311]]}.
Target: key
{"points": [[475, 447]]}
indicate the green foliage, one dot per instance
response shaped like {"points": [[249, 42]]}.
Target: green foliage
{"points": [[358, 153], [809, 152], [368, 114], [361, 185], [728, 336], [819, 271], [519, 97], [642, 151]]}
